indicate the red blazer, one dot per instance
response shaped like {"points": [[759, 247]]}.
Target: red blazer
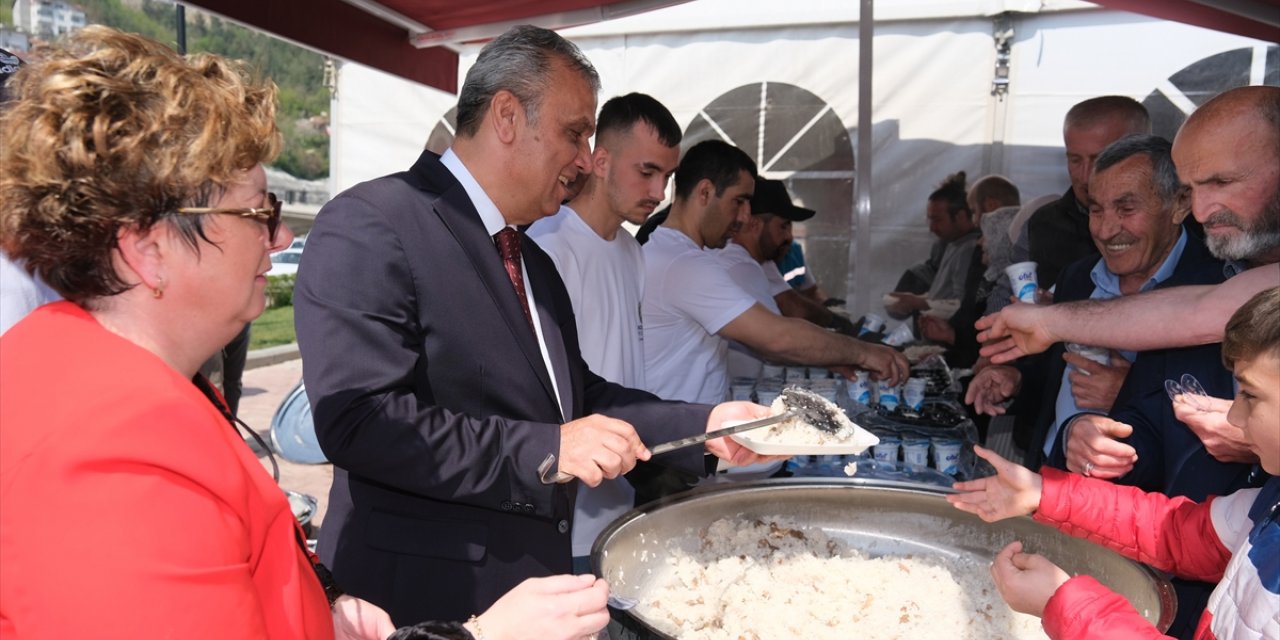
{"points": [[128, 506]]}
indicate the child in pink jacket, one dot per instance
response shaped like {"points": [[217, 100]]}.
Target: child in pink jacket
{"points": [[1233, 540]]}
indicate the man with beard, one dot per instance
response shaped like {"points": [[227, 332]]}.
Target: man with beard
{"points": [[1228, 158], [692, 306], [637, 149]]}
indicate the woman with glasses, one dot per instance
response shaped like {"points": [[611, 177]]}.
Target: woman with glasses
{"points": [[131, 182]]}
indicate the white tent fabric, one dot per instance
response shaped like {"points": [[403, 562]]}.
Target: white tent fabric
{"points": [[788, 95]]}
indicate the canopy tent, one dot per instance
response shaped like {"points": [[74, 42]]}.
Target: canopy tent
{"points": [[412, 38]]}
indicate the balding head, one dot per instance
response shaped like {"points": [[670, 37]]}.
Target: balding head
{"points": [[1228, 155], [1092, 125]]}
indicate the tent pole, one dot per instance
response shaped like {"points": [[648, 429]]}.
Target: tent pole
{"points": [[859, 293]]}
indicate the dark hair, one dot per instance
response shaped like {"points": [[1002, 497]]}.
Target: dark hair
{"points": [[953, 192], [621, 113], [714, 160], [518, 61], [1253, 330], [1159, 153], [998, 187], [1095, 110]]}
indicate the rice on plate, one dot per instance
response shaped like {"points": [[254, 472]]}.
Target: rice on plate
{"points": [[774, 579]]}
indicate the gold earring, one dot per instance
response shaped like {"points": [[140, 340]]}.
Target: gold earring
{"points": [[157, 293]]}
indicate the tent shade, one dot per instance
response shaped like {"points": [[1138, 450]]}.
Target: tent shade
{"points": [[1250, 18]]}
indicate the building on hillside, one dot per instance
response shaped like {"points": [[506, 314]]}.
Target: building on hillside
{"points": [[47, 18]]}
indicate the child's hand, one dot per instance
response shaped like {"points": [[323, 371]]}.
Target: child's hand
{"points": [[1026, 580], [1013, 491]]}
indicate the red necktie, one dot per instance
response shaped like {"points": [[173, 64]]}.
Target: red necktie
{"points": [[508, 242]]}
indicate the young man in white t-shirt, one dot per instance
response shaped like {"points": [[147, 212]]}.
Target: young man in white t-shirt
{"points": [[692, 305], [637, 149]]}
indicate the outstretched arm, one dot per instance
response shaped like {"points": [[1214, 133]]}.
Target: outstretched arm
{"points": [[1137, 322]]}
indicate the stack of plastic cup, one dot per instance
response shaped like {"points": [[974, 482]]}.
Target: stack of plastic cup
{"points": [[1022, 279], [1101, 355], [913, 395], [915, 451], [946, 455]]}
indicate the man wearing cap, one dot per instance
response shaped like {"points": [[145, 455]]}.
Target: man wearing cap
{"points": [[692, 307]]}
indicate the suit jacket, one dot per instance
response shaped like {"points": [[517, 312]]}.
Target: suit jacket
{"points": [[432, 400], [129, 507]]}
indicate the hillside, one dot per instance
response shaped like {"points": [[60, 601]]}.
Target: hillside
{"points": [[300, 73]]}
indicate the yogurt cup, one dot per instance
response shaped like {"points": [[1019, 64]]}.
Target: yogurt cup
{"points": [[887, 449], [887, 395], [915, 452], [1022, 279], [861, 389], [946, 455], [913, 394]]}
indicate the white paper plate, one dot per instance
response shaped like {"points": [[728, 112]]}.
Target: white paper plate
{"points": [[861, 441], [942, 309]]}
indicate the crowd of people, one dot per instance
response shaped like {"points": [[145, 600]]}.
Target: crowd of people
{"points": [[487, 351]]}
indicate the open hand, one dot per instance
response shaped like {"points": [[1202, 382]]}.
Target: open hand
{"points": [[728, 449], [1013, 491], [1015, 331], [562, 607], [1094, 449], [992, 386], [1223, 440]]}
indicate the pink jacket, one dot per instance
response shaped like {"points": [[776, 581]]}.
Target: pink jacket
{"points": [[1174, 535]]}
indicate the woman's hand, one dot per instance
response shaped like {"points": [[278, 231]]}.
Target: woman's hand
{"points": [[356, 619], [560, 607], [1013, 491], [1026, 580]]}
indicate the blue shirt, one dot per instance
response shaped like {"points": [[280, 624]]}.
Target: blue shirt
{"points": [[1106, 285]]}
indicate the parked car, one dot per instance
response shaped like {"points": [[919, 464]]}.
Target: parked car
{"points": [[285, 263], [298, 243]]}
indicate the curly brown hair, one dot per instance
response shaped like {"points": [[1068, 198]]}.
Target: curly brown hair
{"points": [[111, 130]]}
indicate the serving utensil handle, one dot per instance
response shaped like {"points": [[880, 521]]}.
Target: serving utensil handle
{"points": [[719, 433]]}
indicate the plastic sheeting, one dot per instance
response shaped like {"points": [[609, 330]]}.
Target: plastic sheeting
{"points": [[788, 96]]}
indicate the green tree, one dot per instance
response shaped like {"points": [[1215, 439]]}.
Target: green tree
{"points": [[299, 73]]}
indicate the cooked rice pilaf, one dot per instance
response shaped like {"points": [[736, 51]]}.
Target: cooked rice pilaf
{"points": [[774, 580]]}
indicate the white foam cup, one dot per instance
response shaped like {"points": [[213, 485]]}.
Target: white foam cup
{"points": [[887, 449], [915, 452], [1022, 279], [946, 455]]}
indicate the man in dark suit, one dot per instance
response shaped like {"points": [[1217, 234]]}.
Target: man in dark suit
{"points": [[442, 360]]}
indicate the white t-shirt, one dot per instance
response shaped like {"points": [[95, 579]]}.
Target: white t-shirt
{"points": [[754, 278], [605, 280], [20, 293], [688, 298]]}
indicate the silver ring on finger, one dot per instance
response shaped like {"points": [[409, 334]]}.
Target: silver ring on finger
{"points": [[1088, 469]]}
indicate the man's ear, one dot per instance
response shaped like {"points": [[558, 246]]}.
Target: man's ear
{"points": [[506, 115], [600, 160], [141, 255], [705, 190]]}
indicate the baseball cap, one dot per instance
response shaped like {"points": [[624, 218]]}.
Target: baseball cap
{"points": [[771, 197]]}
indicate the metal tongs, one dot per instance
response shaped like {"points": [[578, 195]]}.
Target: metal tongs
{"points": [[1190, 390]]}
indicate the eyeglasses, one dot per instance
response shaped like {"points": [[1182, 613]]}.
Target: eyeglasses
{"points": [[269, 215]]}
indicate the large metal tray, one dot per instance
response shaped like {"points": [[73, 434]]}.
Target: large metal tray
{"points": [[879, 517]]}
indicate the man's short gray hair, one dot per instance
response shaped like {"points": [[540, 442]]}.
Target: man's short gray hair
{"points": [[1103, 108], [1164, 176], [518, 61]]}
